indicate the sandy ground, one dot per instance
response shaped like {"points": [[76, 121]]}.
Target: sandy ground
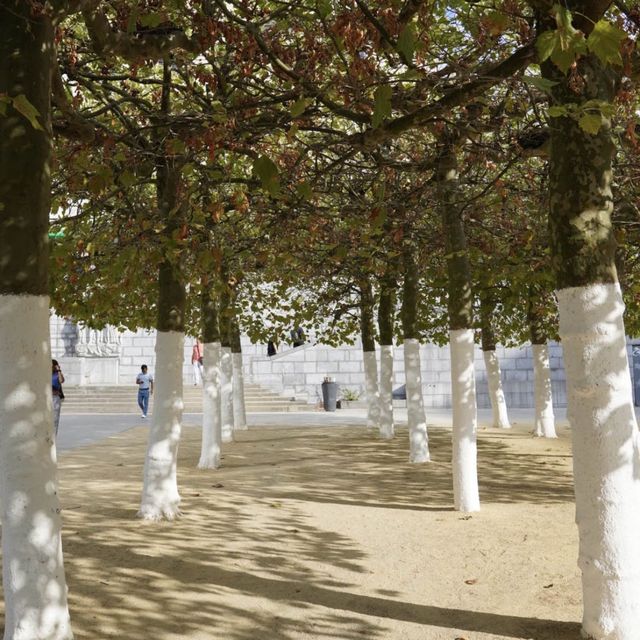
{"points": [[324, 533]]}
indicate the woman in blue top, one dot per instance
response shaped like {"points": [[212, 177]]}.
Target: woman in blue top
{"points": [[56, 389]]}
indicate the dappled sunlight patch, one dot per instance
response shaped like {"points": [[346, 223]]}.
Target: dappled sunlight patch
{"points": [[323, 534]]}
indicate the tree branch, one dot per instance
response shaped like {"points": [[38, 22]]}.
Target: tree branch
{"points": [[456, 97], [154, 46]]}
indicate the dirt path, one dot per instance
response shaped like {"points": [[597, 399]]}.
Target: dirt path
{"points": [[324, 533]]}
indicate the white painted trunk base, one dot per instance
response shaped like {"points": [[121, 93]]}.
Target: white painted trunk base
{"points": [[387, 428], [211, 408], [160, 497], [35, 591], [226, 393], [544, 418], [496, 394], [465, 421], [417, 421], [239, 407], [371, 389], [606, 458]]}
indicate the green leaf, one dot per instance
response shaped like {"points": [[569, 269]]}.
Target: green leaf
{"points": [[4, 101], [127, 178], [605, 41], [496, 22], [563, 18], [590, 122], [132, 21], [151, 20], [539, 83], [545, 44], [267, 172], [563, 58], [407, 41], [299, 106], [557, 111], [605, 108], [22, 105], [562, 45], [303, 189], [382, 105], [324, 8]]}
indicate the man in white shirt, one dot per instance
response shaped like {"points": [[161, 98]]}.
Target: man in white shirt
{"points": [[145, 389]]}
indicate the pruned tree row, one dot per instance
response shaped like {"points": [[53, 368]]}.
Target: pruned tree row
{"points": [[394, 173]]}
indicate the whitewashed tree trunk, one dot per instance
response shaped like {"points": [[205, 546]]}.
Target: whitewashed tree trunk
{"points": [[226, 392], [606, 458], [371, 389], [239, 407], [35, 591], [160, 497], [387, 428], [544, 418], [211, 408], [465, 420], [418, 440], [496, 394]]}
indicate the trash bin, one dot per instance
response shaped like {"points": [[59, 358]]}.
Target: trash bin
{"points": [[329, 395]]}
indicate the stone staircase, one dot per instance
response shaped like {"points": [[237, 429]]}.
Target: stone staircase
{"points": [[123, 399]]}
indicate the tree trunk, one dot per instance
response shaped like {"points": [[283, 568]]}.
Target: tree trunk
{"points": [[369, 355], [239, 407], [492, 364], [35, 591], [461, 337], [417, 421], [544, 419], [606, 447], [211, 416], [226, 364], [160, 497], [386, 310]]}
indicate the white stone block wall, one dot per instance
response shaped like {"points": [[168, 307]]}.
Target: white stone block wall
{"points": [[300, 372]]}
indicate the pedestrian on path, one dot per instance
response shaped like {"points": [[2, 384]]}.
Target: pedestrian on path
{"points": [[145, 389], [197, 362], [56, 390]]}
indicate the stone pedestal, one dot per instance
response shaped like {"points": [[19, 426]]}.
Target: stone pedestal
{"points": [[88, 371]]}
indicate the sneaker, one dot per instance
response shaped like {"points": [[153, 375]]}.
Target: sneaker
{"points": [[144, 415]]}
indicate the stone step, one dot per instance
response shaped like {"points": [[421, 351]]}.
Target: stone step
{"points": [[128, 409], [122, 399], [128, 401], [70, 395]]}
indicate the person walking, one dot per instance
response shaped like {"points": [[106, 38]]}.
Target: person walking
{"points": [[145, 389], [197, 362], [56, 390]]}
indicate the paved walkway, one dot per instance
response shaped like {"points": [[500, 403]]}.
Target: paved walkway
{"points": [[80, 430]]}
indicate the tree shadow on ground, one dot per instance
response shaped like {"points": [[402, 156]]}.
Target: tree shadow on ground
{"points": [[365, 471], [244, 544]]}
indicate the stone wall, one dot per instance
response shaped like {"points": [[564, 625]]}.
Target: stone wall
{"points": [[299, 372]]}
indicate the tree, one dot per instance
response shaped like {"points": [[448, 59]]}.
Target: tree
{"points": [[34, 585], [606, 444]]}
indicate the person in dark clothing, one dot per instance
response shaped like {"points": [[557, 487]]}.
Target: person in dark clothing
{"points": [[297, 336], [56, 390]]}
